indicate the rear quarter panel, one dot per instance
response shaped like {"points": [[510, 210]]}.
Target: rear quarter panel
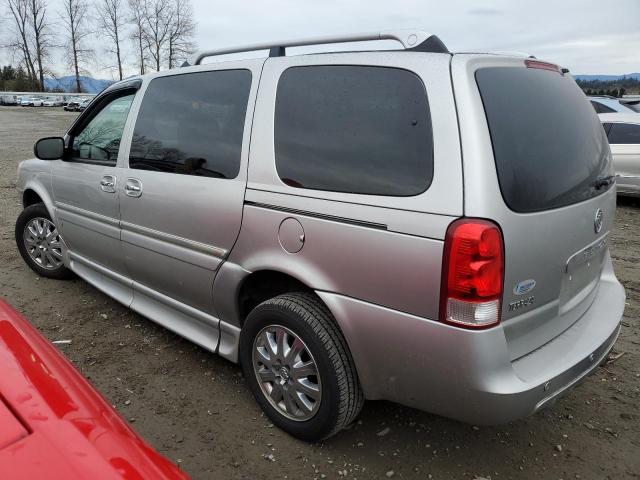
{"points": [[537, 245], [396, 262]]}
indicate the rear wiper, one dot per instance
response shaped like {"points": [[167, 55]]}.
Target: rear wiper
{"points": [[601, 182]]}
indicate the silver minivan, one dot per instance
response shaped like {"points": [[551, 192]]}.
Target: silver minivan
{"points": [[411, 225]]}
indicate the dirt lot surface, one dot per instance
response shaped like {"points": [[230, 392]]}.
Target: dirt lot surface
{"points": [[195, 408]]}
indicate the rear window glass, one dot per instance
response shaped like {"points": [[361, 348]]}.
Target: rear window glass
{"points": [[353, 129], [548, 144], [624, 133]]}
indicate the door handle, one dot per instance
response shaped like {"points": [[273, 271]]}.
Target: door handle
{"points": [[108, 184], [133, 187]]}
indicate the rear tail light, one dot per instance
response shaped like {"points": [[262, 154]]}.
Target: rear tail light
{"points": [[472, 274]]}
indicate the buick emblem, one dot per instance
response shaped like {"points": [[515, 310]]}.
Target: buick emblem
{"points": [[597, 221]]}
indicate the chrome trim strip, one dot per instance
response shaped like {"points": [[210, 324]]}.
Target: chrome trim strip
{"points": [[350, 221], [386, 207], [143, 289], [100, 269], [86, 213], [180, 241], [169, 302], [587, 253], [166, 237]]}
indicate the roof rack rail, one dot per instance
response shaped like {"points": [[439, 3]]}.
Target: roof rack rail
{"points": [[415, 40]]}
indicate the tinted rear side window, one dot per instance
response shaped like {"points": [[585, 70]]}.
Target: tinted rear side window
{"points": [[624, 133], [192, 124], [548, 144], [354, 129]]}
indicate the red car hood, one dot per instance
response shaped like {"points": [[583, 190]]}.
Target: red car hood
{"points": [[54, 425]]}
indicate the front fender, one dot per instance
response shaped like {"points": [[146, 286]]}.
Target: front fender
{"points": [[35, 175]]}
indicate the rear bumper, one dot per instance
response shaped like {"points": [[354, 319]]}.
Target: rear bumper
{"points": [[467, 375]]}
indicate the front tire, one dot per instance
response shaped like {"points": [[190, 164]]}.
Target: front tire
{"points": [[299, 368], [39, 243]]}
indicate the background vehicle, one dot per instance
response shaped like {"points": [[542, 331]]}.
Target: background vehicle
{"points": [[54, 425], [633, 104], [31, 102], [83, 105], [72, 105], [8, 100], [623, 133], [53, 102], [611, 105], [354, 230]]}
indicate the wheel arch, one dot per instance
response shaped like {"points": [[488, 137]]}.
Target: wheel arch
{"points": [[35, 193], [263, 284], [30, 197], [237, 291]]}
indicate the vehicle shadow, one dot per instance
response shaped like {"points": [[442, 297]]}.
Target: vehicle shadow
{"points": [[628, 201]]}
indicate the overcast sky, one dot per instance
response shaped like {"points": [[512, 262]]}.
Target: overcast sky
{"points": [[586, 36]]}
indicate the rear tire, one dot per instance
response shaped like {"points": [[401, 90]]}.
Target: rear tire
{"points": [[306, 325], [39, 243]]}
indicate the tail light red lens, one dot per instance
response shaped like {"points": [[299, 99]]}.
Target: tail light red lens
{"points": [[472, 274], [543, 66]]}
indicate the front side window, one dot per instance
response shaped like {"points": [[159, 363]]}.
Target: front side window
{"points": [[624, 133], [353, 129], [192, 124], [99, 140]]}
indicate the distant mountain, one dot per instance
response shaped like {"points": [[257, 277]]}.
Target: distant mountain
{"points": [[68, 84], [606, 78]]}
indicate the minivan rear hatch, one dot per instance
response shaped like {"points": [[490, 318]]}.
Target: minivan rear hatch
{"points": [[540, 168]]}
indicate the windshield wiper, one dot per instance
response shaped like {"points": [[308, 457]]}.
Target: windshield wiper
{"points": [[601, 182]]}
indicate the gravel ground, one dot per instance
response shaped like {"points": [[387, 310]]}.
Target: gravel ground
{"points": [[195, 408]]}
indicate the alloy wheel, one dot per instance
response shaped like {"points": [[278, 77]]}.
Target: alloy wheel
{"points": [[287, 372], [43, 243]]}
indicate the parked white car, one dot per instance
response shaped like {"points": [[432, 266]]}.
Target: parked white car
{"points": [[8, 100], [31, 102], [633, 104], [610, 105], [53, 102], [623, 132]]}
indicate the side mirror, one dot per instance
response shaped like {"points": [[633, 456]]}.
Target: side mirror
{"points": [[50, 148]]}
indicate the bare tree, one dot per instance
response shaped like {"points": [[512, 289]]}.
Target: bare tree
{"points": [[42, 35], [19, 11], [157, 25], [112, 21], [181, 32], [75, 21], [137, 19]]}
